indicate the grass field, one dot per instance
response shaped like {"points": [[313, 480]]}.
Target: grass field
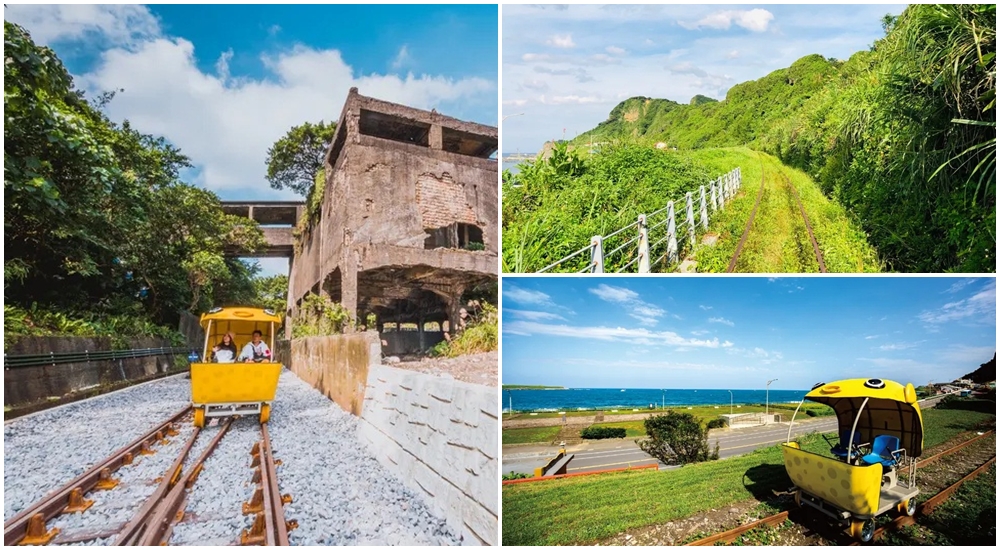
{"points": [[590, 508], [530, 435]]}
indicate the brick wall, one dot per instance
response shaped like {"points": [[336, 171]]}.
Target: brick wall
{"points": [[440, 437], [442, 201]]}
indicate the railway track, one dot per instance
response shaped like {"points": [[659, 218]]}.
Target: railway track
{"points": [[153, 522], [838, 536], [753, 213]]}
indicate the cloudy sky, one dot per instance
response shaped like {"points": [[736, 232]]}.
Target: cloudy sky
{"points": [[566, 67], [224, 82], [738, 332]]}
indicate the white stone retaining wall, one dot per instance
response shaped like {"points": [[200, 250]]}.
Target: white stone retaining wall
{"points": [[439, 436]]}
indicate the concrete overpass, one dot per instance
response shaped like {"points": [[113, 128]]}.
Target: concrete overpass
{"points": [[276, 218]]}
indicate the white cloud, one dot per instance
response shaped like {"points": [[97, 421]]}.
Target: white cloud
{"points": [[706, 308], [700, 332], [756, 20], [116, 25], [568, 99], [646, 313], [525, 296], [402, 58], [534, 315], [980, 307], [897, 347], [615, 50], [614, 293], [561, 41], [224, 125], [733, 54], [515, 102], [959, 285], [721, 320], [638, 336], [871, 337]]}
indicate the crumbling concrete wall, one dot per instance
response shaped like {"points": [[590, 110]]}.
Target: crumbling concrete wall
{"points": [[337, 366], [440, 437]]}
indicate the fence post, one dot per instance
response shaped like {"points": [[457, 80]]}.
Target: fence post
{"points": [[596, 254], [690, 218], [722, 193], [671, 234], [704, 210], [714, 198], [643, 245]]}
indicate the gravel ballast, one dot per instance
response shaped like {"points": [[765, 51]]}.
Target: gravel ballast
{"points": [[45, 450], [341, 494]]}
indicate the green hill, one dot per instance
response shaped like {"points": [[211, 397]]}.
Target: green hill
{"points": [[903, 136]]}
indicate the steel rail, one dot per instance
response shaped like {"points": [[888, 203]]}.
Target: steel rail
{"points": [[160, 522], [812, 238], [746, 231], [56, 501]]}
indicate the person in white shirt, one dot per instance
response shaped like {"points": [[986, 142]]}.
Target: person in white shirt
{"points": [[255, 350], [225, 352]]}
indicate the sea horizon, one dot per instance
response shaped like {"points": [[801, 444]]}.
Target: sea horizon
{"points": [[587, 399]]}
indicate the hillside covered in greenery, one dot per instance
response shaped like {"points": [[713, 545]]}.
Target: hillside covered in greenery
{"points": [[101, 235], [903, 136]]}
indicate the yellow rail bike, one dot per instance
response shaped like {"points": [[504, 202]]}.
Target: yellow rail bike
{"points": [[871, 468], [235, 388]]}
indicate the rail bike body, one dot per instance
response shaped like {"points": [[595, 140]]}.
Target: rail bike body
{"points": [[871, 468], [225, 389]]}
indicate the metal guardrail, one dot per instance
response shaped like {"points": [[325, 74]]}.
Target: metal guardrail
{"points": [[52, 359], [637, 250]]}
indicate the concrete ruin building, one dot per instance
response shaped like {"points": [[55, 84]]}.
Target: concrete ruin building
{"points": [[408, 220]]}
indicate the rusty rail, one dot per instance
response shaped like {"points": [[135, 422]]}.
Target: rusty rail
{"points": [[31, 521], [812, 238], [170, 508], [733, 534], [267, 503], [746, 231]]}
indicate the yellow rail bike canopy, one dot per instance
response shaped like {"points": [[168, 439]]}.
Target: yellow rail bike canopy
{"points": [[892, 409]]}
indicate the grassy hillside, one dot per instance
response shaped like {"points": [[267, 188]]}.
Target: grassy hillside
{"points": [[903, 136]]}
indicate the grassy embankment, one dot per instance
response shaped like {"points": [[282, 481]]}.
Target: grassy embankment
{"points": [[587, 509]]}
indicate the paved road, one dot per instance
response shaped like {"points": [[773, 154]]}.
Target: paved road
{"points": [[605, 455]]}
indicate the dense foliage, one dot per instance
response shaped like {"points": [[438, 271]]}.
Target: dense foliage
{"points": [[294, 160], [97, 223], [478, 335], [602, 432], [321, 316], [677, 438], [904, 135]]}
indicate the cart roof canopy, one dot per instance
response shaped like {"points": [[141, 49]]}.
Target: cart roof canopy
{"points": [[253, 315], [892, 409]]}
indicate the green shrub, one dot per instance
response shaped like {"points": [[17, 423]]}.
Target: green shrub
{"points": [[602, 432], [715, 423], [515, 475], [479, 336], [677, 438]]}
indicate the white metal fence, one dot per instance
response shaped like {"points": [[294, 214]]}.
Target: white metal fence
{"points": [[618, 253]]}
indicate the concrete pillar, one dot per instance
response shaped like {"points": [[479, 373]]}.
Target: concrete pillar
{"points": [[435, 137], [349, 289], [420, 332]]}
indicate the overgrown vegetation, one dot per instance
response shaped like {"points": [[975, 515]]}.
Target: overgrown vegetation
{"points": [[33, 321], [478, 335], [677, 438], [321, 316], [602, 432], [903, 136], [99, 229], [515, 475]]}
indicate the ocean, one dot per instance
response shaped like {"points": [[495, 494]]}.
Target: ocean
{"points": [[585, 399]]}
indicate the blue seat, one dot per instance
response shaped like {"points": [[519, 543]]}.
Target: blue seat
{"points": [[884, 450], [840, 449]]}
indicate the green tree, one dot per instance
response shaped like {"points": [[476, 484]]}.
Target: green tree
{"points": [[271, 292], [294, 160], [677, 438]]}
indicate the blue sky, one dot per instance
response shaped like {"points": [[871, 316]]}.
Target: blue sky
{"points": [[224, 82], [566, 67], [738, 332]]}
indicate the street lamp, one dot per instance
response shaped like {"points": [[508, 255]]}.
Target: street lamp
{"points": [[508, 116], [730, 402], [510, 406], [767, 400], [663, 399]]}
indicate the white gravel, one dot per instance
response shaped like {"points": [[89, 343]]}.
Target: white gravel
{"points": [[341, 494], [43, 451]]}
